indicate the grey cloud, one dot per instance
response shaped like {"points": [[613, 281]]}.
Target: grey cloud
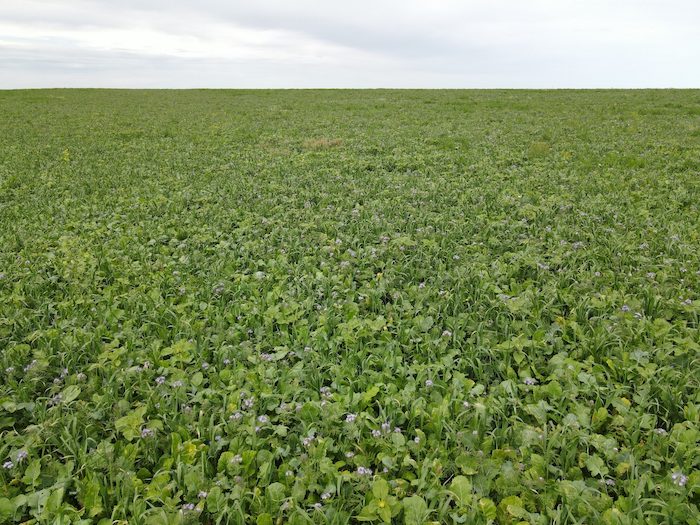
{"points": [[307, 43]]}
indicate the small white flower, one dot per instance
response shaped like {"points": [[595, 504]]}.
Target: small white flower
{"points": [[428, 383]]}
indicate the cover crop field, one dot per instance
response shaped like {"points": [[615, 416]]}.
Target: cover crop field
{"points": [[341, 306]]}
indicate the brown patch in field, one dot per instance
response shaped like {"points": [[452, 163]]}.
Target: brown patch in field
{"points": [[322, 143]]}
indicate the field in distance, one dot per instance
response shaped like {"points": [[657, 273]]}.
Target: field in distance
{"points": [[339, 306]]}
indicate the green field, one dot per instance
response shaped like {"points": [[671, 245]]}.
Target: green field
{"points": [[338, 306]]}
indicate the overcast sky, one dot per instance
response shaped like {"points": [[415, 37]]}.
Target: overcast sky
{"points": [[357, 43]]}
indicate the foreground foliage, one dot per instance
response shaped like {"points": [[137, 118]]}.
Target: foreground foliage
{"points": [[337, 306]]}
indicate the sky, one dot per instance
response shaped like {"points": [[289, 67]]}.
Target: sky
{"points": [[353, 44]]}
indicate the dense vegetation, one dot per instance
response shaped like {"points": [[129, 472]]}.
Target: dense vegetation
{"points": [[334, 306]]}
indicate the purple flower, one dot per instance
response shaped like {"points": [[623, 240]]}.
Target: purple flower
{"points": [[205, 365], [21, 454], [55, 400], [147, 432], [202, 494], [8, 465], [364, 471], [625, 308], [266, 357], [376, 433], [429, 383], [188, 506], [160, 380], [350, 418], [386, 427], [530, 381], [679, 479], [326, 495], [263, 419]]}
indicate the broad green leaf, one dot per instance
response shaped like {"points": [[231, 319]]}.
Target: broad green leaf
{"points": [[461, 487], [7, 510], [70, 393], [32, 473], [264, 519], [415, 510], [380, 489], [488, 508]]}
